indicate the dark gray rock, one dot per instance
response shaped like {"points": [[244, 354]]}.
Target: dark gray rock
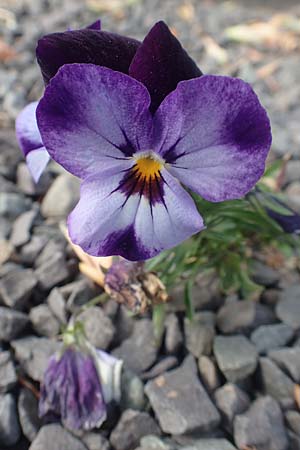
{"points": [[65, 188], [55, 437], [264, 275], [261, 426], [26, 183], [132, 391], [56, 245], [275, 383], [173, 335], [12, 204], [12, 323], [199, 336], [292, 419], [236, 357], [180, 402], [28, 414], [33, 354], [231, 401], [95, 441], [140, 349], [21, 228], [57, 305], [17, 287], [151, 442], [43, 321], [132, 426], [124, 323], [52, 272], [167, 363], [30, 251], [294, 441], [288, 359], [288, 307], [243, 316], [270, 297], [209, 373], [8, 376], [210, 444], [80, 293], [10, 432], [5, 228], [270, 337], [98, 327]]}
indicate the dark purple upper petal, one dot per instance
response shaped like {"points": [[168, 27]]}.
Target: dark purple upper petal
{"points": [[84, 46], [95, 25], [71, 389], [161, 62]]}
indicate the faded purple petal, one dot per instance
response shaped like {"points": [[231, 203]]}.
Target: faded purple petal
{"points": [[84, 46], [108, 222], [161, 62], [91, 118], [30, 141], [215, 135], [71, 389]]}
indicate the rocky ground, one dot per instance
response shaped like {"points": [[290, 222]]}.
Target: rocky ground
{"points": [[231, 378]]}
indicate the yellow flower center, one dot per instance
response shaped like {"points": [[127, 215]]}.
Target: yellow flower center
{"points": [[148, 166]]}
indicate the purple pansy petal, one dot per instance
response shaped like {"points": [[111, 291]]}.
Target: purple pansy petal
{"points": [[90, 116], [216, 136], [30, 141], [109, 222], [71, 389], [161, 62], [84, 46]]}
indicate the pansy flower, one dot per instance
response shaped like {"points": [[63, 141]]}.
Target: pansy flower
{"points": [[137, 135]]}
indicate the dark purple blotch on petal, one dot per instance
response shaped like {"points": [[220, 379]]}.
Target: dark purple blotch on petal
{"points": [[289, 223], [161, 62], [85, 46], [125, 243], [71, 390], [95, 25]]}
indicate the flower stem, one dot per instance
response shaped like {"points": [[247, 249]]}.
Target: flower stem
{"points": [[188, 301], [158, 320]]}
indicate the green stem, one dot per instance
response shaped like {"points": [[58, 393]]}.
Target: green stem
{"points": [[188, 301], [158, 320]]}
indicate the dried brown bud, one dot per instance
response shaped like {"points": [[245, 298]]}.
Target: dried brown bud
{"points": [[129, 284]]}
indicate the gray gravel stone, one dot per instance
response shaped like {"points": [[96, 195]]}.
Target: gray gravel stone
{"points": [[199, 336], [132, 426], [55, 437], [288, 308], [12, 323], [264, 275], [95, 441], [173, 335], [8, 376], [80, 293], [231, 401], [12, 204], [243, 316], [132, 391], [10, 432], [261, 426], [209, 373], [33, 354], [5, 228], [139, 350], [98, 327], [210, 444], [26, 183], [16, 288], [61, 197], [30, 251], [28, 414], [57, 304], [236, 357], [180, 402], [294, 441], [43, 321], [276, 383], [52, 272], [167, 363], [270, 337], [293, 421], [151, 442], [288, 359], [21, 228]]}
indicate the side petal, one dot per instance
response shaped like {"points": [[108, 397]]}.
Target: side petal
{"points": [[89, 46], [161, 62], [107, 222], [30, 141], [91, 116], [215, 135]]}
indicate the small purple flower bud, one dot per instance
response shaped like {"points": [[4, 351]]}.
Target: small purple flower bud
{"points": [[129, 284], [72, 390]]}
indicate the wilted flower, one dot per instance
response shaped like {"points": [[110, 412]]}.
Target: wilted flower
{"points": [[129, 284], [133, 135], [78, 384]]}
